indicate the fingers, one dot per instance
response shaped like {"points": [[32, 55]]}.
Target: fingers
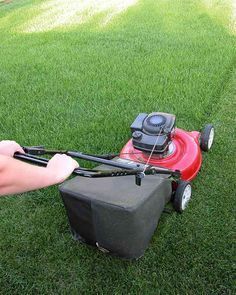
{"points": [[61, 166], [76, 163], [19, 149], [15, 147], [9, 147], [64, 159], [70, 161]]}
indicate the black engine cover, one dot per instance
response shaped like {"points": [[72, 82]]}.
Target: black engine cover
{"points": [[152, 130]]}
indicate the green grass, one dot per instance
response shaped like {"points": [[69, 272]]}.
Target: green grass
{"points": [[80, 87]]}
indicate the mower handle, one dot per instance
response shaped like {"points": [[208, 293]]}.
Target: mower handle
{"points": [[40, 150], [138, 173], [103, 159]]}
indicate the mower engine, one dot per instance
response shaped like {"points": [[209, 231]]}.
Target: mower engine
{"points": [[153, 132]]}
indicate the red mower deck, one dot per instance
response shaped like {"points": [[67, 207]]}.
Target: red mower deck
{"points": [[184, 154]]}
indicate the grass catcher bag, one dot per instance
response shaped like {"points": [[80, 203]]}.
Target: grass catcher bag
{"points": [[113, 213]]}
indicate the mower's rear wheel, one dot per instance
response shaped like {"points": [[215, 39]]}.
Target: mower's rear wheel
{"points": [[207, 137], [182, 196]]}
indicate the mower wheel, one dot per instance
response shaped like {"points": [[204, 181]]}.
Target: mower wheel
{"points": [[182, 196], [207, 137]]}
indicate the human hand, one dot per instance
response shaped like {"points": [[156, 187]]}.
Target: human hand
{"points": [[61, 166], [9, 147]]}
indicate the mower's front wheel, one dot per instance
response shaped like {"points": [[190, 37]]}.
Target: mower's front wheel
{"points": [[207, 137], [182, 196]]}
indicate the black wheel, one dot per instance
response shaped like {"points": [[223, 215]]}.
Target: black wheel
{"points": [[207, 137], [182, 196]]}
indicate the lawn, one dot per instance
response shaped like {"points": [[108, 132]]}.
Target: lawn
{"points": [[78, 82]]}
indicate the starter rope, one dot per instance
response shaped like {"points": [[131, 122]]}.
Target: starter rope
{"points": [[149, 158]]}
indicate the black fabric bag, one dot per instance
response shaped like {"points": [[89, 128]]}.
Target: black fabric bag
{"points": [[113, 213]]}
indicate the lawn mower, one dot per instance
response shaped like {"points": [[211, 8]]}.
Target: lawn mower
{"points": [[106, 207]]}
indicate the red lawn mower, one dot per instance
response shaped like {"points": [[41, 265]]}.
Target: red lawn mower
{"points": [[104, 206], [157, 142]]}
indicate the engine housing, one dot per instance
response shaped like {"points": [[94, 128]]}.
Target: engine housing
{"points": [[153, 131]]}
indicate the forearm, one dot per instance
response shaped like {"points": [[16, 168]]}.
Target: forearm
{"points": [[19, 177]]}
